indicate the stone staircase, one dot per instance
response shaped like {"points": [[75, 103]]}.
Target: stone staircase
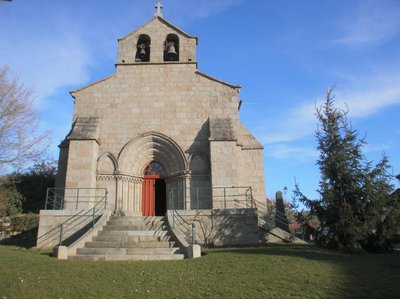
{"points": [[131, 238]]}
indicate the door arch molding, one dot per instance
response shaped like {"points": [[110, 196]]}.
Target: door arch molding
{"points": [[152, 146]]}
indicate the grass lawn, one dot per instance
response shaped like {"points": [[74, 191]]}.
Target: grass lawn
{"points": [[276, 271]]}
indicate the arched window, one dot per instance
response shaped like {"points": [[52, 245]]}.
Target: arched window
{"points": [[155, 169], [171, 49], [143, 49]]}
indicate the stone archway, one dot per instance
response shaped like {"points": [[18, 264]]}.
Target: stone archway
{"points": [[136, 155]]}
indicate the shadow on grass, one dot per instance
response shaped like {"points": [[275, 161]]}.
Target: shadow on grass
{"points": [[26, 239], [47, 253], [362, 275], [303, 251]]}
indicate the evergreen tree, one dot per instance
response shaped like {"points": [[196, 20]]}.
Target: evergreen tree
{"points": [[355, 207]]}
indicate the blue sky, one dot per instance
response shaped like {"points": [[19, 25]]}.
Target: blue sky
{"points": [[284, 54]]}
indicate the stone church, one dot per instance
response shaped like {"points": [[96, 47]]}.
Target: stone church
{"points": [[159, 134]]}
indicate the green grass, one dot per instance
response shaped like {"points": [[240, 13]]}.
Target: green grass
{"points": [[278, 271]]}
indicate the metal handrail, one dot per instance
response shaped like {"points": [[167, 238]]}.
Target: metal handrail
{"points": [[243, 194], [248, 195], [219, 194], [56, 198], [179, 223], [59, 232]]}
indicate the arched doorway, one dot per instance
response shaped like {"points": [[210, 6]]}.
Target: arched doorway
{"points": [[134, 159], [154, 199]]}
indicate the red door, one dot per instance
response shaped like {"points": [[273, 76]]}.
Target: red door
{"points": [[152, 172], [148, 197]]}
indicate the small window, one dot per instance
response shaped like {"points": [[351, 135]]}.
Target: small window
{"points": [[143, 49], [171, 49]]}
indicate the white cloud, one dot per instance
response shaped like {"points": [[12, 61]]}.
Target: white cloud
{"points": [[380, 148], [207, 8], [370, 23], [45, 52], [185, 10], [362, 99], [65, 63], [371, 97], [201, 9], [287, 151], [298, 122]]}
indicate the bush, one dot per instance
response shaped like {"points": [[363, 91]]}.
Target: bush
{"points": [[12, 203], [24, 222], [26, 192], [33, 185]]}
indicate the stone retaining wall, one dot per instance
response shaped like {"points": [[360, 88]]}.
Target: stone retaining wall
{"points": [[220, 227]]}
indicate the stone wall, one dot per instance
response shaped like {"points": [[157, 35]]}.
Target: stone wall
{"points": [[49, 232], [223, 227], [82, 160], [169, 99], [251, 168]]}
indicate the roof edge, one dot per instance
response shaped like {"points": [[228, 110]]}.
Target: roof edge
{"points": [[161, 19], [91, 84], [178, 29], [217, 80]]}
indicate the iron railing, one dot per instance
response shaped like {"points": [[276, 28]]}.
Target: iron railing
{"points": [[181, 225], [75, 226], [223, 196], [73, 198], [211, 197]]}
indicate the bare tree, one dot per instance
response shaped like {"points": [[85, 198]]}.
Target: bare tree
{"points": [[20, 144]]}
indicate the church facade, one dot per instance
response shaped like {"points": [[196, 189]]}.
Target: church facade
{"points": [[158, 131], [158, 136]]}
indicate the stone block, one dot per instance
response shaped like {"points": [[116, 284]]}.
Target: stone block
{"points": [[60, 252]]}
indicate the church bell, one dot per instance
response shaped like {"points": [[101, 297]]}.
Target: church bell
{"points": [[142, 52], [171, 52]]}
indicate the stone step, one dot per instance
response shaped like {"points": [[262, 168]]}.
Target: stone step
{"points": [[131, 227], [124, 257], [153, 244], [135, 223], [94, 251], [132, 233], [132, 239], [120, 251], [153, 250], [138, 218]]}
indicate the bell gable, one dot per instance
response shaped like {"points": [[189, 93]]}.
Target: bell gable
{"points": [[158, 41]]}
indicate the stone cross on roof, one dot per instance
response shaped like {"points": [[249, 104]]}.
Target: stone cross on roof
{"points": [[158, 6]]}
